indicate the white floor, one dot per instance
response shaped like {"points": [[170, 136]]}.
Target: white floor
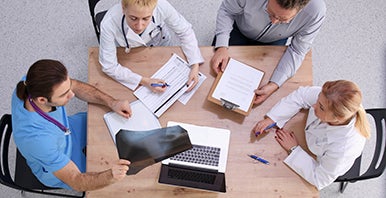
{"points": [[351, 45]]}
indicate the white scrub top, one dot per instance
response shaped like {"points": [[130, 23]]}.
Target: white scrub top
{"points": [[165, 19], [335, 147]]}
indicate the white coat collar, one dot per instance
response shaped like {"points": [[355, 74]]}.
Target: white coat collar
{"points": [[332, 133]]}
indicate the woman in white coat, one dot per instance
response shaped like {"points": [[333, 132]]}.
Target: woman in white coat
{"points": [[136, 23], [336, 130]]}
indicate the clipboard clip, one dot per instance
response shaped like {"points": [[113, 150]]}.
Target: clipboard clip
{"points": [[228, 105]]}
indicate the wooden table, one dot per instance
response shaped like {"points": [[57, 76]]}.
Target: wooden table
{"points": [[244, 176]]}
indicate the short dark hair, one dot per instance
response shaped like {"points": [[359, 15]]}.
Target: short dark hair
{"points": [[291, 4], [41, 78]]}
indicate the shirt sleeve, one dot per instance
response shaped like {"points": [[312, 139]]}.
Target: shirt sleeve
{"points": [[47, 154], [225, 19], [321, 172], [287, 107], [184, 31], [294, 55], [108, 56]]}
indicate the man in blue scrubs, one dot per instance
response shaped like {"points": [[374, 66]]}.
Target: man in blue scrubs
{"points": [[53, 143]]}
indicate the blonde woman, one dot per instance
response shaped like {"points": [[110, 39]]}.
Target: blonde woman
{"points": [[336, 130], [137, 23]]}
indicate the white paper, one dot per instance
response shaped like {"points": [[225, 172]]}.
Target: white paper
{"points": [[142, 119], [237, 84], [175, 73], [187, 95]]}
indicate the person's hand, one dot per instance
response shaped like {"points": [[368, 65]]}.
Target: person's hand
{"points": [[220, 59], [122, 107], [261, 125], [286, 139], [264, 92], [148, 81], [193, 77], [119, 169]]}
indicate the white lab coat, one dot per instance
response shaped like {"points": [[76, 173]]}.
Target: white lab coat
{"points": [[164, 16], [335, 147]]}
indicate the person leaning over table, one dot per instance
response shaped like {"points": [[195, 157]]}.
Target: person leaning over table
{"points": [[336, 130], [40, 122], [268, 22], [136, 23]]}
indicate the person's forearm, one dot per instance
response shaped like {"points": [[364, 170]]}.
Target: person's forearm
{"points": [[93, 181], [91, 94]]}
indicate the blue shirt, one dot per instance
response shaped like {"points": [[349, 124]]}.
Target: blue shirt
{"points": [[43, 144]]}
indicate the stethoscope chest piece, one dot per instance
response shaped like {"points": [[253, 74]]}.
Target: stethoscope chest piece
{"points": [[127, 50]]}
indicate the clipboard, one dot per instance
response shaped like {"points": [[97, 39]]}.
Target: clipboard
{"points": [[234, 88]]}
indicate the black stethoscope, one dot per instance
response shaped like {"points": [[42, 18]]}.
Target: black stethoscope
{"points": [[127, 49]]}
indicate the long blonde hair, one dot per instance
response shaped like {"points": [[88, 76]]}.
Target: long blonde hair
{"points": [[141, 3], [345, 100]]}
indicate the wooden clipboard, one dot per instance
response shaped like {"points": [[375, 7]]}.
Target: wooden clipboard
{"points": [[226, 103]]}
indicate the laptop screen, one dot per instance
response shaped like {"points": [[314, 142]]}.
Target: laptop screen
{"points": [[211, 144]]}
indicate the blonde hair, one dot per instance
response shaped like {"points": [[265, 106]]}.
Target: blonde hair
{"points": [[141, 3], [345, 101]]}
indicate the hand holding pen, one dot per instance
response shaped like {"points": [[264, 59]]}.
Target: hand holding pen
{"points": [[263, 126], [159, 85], [155, 85]]}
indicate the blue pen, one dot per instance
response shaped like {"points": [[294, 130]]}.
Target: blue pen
{"points": [[159, 85], [259, 159], [266, 128]]}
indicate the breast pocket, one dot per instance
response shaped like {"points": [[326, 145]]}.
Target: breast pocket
{"points": [[159, 36], [316, 144]]}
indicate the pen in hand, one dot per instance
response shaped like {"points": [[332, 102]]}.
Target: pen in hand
{"points": [[159, 85], [266, 128], [259, 159]]}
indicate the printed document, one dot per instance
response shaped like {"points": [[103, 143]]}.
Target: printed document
{"points": [[237, 84], [175, 73], [187, 95]]}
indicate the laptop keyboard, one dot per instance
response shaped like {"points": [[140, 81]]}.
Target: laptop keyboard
{"points": [[205, 155], [191, 176]]}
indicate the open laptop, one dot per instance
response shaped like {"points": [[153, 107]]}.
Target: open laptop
{"points": [[204, 165]]}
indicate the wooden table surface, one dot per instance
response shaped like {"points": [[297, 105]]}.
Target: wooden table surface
{"points": [[244, 176]]}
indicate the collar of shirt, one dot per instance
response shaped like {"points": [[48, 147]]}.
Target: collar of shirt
{"points": [[331, 133]]}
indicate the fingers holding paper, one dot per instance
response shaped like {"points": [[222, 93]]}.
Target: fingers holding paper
{"points": [[122, 107], [219, 60], [264, 92], [193, 77], [119, 169]]}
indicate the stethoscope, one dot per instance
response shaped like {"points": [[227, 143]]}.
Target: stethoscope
{"points": [[127, 48]]}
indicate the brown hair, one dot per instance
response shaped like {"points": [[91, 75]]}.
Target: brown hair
{"points": [[41, 78], [345, 101], [292, 4]]}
